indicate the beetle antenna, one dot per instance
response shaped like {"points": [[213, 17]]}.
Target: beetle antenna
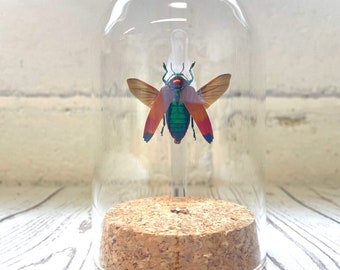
{"points": [[172, 68], [182, 68], [192, 76], [166, 72]]}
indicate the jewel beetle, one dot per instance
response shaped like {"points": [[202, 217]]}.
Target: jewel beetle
{"points": [[178, 103]]}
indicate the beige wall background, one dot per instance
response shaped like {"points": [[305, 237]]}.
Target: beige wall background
{"points": [[48, 67]]}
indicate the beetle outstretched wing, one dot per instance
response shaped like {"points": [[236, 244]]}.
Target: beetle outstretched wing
{"points": [[158, 109], [143, 91], [158, 101], [214, 89], [195, 105]]}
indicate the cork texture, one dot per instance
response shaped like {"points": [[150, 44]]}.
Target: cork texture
{"points": [[179, 233]]}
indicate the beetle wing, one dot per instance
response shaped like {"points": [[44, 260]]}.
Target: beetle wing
{"points": [[143, 91], [214, 89], [158, 109], [195, 105]]}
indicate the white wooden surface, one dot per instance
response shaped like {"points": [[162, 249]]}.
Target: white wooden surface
{"points": [[49, 228]]}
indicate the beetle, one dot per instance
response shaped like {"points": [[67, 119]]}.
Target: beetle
{"points": [[178, 103]]}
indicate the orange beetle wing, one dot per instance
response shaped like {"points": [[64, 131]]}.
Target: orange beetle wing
{"points": [[214, 89], [143, 91], [158, 109], [195, 106]]}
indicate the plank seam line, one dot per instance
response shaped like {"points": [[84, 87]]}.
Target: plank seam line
{"points": [[307, 239], [276, 262], [307, 206], [308, 253], [324, 198], [33, 206], [87, 254], [308, 232], [72, 252]]}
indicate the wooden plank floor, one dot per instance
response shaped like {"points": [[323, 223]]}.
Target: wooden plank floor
{"points": [[49, 228]]}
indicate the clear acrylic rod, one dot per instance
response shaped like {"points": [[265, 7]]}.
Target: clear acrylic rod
{"points": [[178, 57]]}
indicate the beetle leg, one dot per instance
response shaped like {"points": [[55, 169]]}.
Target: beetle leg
{"points": [[192, 76], [166, 72], [193, 130], [162, 130]]}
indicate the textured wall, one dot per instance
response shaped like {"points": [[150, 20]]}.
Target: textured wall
{"points": [[49, 49], [46, 45], [302, 42]]}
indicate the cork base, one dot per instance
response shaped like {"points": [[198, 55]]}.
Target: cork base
{"points": [[166, 233]]}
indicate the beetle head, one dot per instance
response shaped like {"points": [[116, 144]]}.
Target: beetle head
{"points": [[178, 80]]}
